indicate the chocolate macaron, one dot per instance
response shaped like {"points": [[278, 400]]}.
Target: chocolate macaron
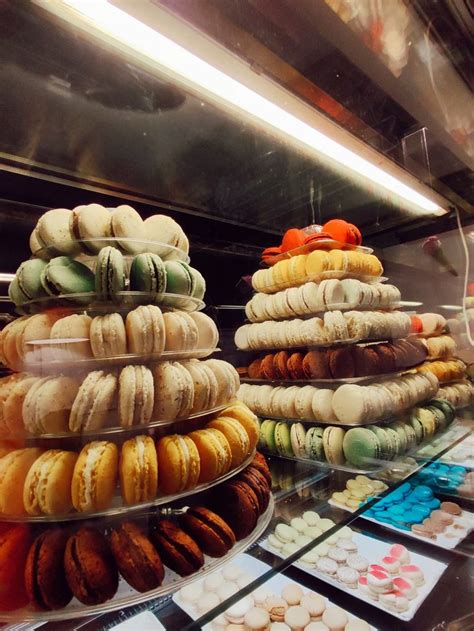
{"points": [[45, 578], [267, 367], [90, 567], [316, 365], [280, 364], [177, 549], [387, 357], [260, 463], [210, 531], [137, 558], [341, 362], [258, 483], [366, 361], [238, 505], [295, 366], [255, 369]]}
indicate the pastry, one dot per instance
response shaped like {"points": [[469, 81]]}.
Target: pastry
{"points": [[47, 488], [206, 387], [258, 484], [247, 419], [14, 469], [166, 234], [316, 365], [208, 335], [138, 470], [361, 447], [174, 391], [13, 404], [95, 476], [75, 331], [128, 227], [238, 505], [148, 274], [136, 557], [107, 336], [181, 331], [37, 327], [211, 533], [177, 549], [63, 275], [136, 396], [53, 230], [214, 452], [341, 362], [145, 330], [48, 404], [298, 440], [297, 617], [227, 378], [45, 577], [15, 541], [333, 438], [28, 281], [178, 463], [89, 222], [94, 402], [236, 437], [90, 567]]}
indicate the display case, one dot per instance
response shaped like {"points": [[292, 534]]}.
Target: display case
{"points": [[236, 341]]}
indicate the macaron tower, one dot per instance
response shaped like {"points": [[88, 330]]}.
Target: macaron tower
{"points": [[336, 374], [113, 408]]}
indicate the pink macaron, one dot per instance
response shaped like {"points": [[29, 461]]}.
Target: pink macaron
{"points": [[395, 601], [379, 582], [400, 552], [412, 572], [405, 586], [363, 585], [390, 564]]}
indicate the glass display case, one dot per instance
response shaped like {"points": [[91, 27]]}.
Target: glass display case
{"points": [[236, 342]]}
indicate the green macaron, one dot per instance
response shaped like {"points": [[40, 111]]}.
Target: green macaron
{"points": [[109, 273], [267, 435], [28, 276], [63, 275], [439, 417], [15, 293], [148, 273], [398, 427], [282, 439], [179, 279], [314, 444], [410, 434], [396, 440], [387, 448], [418, 428], [446, 407], [361, 447]]}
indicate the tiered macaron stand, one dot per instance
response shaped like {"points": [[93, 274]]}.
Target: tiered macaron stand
{"points": [[145, 514]]}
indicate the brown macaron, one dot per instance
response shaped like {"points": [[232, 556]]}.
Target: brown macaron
{"points": [[366, 361], [90, 567], [341, 362], [255, 369], [212, 534], [267, 367], [387, 357], [258, 484], [316, 365], [45, 578], [260, 463], [295, 366], [280, 364], [177, 549], [238, 505], [137, 558]]}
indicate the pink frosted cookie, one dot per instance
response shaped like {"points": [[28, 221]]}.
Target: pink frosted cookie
{"points": [[405, 586], [395, 601], [363, 585], [400, 552], [412, 572], [379, 582], [390, 564]]}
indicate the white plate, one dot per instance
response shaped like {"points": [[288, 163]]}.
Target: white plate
{"points": [[144, 620], [374, 549], [254, 568]]}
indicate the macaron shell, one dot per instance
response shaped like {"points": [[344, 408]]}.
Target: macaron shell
{"points": [[63, 275], [95, 476], [138, 470], [236, 436], [208, 335], [178, 463], [127, 223], [136, 396], [14, 469], [145, 330], [53, 230], [333, 445], [47, 488], [108, 336]]}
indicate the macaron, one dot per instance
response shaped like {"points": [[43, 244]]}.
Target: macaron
{"points": [[178, 463], [136, 557], [174, 391], [63, 275], [208, 335], [236, 437], [45, 577], [238, 505], [28, 277], [247, 419], [177, 549], [314, 446], [212, 534], [148, 274], [90, 567], [145, 330], [93, 402], [128, 227], [298, 440], [15, 542], [136, 396], [109, 273], [53, 230], [166, 234], [14, 469], [90, 222], [179, 279], [181, 331], [108, 336], [138, 470], [333, 445], [214, 452], [206, 389], [95, 476], [47, 488], [361, 447], [283, 439]]}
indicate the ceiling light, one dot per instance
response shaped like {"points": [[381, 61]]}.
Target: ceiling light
{"points": [[124, 30]]}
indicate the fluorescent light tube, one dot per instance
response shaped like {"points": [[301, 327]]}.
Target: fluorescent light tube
{"points": [[6, 278], [127, 30]]}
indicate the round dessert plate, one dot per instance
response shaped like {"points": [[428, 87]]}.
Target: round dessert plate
{"points": [[87, 247], [329, 274], [318, 244], [122, 302], [56, 357], [110, 432], [118, 508], [327, 383], [127, 596], [374, 466]]}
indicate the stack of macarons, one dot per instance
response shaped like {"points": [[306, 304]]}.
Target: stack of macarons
{"points": [[340, 362], [87, 228], [428, 324], [316, 266], [135, 395], [361, 447], [440, 347], [447, 479], [59, 564], [65, 276], [349, 404], [458, 394], [336, 326], [328, 295], [34, 481], [357, 492], [144, 331], [445, 371]]}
